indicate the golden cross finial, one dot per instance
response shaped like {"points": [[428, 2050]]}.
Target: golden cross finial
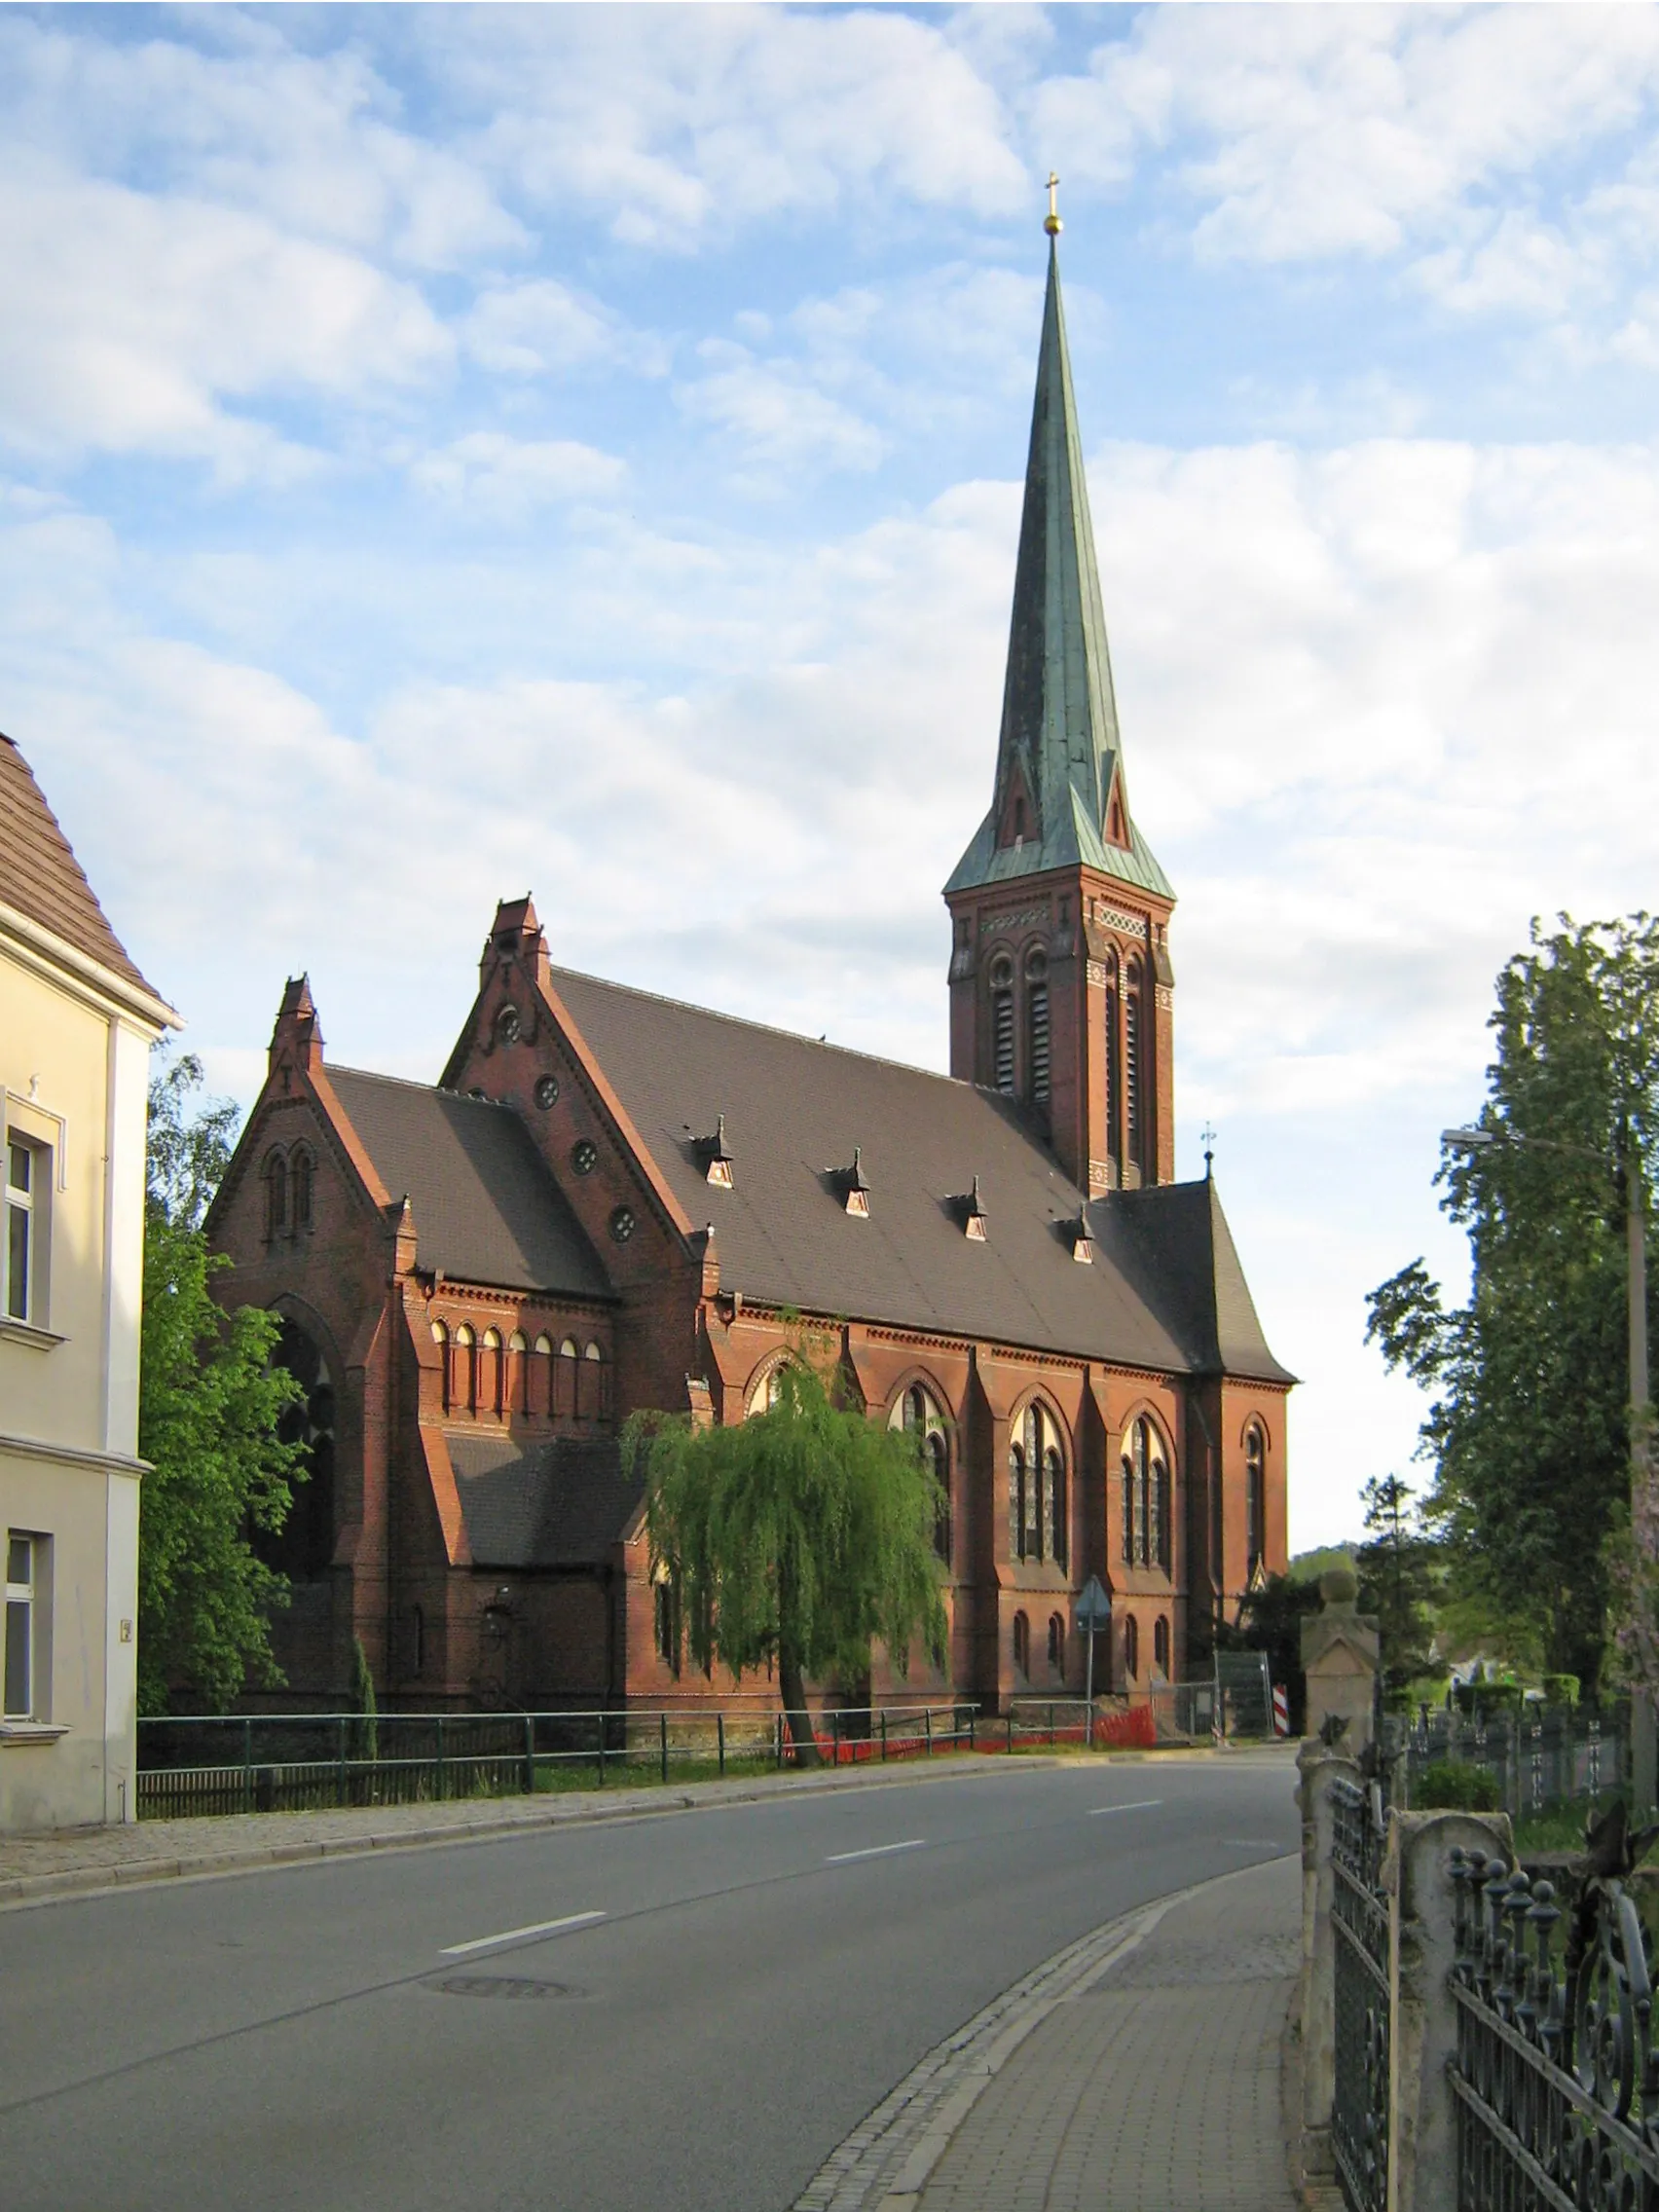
{"points": [[1051, 221]]}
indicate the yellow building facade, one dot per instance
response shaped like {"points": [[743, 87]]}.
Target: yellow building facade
{"points": [[77, 1020]]}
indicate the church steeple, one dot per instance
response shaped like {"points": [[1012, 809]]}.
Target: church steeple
{"points": [[1062, 998], [1060, 798]]}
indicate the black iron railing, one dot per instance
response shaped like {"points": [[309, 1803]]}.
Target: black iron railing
{"points": [[1556, 2076], [1540, 1756], [1363, 2007]]}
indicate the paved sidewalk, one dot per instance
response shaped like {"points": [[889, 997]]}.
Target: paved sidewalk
{"points": [[1155, 2085]]}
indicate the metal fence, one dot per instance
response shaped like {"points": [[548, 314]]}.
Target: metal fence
{"points": [[1541, 1756], [1363, 2007], [1556, 2076], [305, 1762], [302, 1763]]}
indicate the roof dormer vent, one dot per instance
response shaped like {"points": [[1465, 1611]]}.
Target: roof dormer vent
{"points": [[717, 1159], [970, 1214], [1082, 1241], [855, 1191]]}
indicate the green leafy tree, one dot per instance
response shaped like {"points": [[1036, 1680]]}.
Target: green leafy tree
{"points": [[1527, 1427], [209, 1413], [1398, 1579], [795, 1538]]}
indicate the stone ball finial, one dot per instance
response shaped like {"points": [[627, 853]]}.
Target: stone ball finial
{"points": [[1339, 1587]]}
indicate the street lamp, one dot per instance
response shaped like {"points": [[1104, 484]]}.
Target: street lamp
{"points": [[1625, 1162]]}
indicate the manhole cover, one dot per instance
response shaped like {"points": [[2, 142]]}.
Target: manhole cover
{"points": [[501, 1986]]}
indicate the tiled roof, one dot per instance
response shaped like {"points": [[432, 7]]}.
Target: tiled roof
{"points": [[560, 1503], [1165, 1290], [39, 875], [486, 1208]]}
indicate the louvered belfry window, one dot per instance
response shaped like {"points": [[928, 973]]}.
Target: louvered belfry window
{"points": [[1134, 1068], [1001, 1027], [1036, 1024]]}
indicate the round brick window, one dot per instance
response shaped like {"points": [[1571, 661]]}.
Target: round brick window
{"points": [[508, 1026], [546, 1089], [585, 1158], [623, 1224]]}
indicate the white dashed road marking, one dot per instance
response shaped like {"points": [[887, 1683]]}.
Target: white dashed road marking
{"points": [[520, 1934]]}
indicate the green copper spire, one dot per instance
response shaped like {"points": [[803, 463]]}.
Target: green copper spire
{"points": [[1059, 789]]}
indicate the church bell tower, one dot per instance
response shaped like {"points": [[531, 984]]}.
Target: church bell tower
{"points": [[1062, 991]]}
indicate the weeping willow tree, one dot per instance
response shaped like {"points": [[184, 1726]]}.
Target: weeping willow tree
{"points": [[795, 1538]]}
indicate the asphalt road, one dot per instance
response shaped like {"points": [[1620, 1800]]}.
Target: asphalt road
{"points": [[730, 1993]]}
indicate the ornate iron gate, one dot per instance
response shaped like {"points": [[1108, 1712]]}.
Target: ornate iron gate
{"points": [[1363, 2023], [1556, 2076]]}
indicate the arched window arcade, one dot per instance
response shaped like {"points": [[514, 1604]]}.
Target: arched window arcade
{"points": [[1037, 1487], [1147, 1496]]}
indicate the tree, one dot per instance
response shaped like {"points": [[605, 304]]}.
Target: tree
{"points": [[1528, 1428], [210, 1409], [1397, 1579], [797, 1537]]}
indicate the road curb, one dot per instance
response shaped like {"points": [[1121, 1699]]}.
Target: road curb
{"points": [[21, 1889], [884, 2164]]}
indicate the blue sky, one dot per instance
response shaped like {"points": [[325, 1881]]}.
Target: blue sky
{"points": [[450, 453]]}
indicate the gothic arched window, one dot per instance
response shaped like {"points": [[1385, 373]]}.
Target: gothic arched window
{"points": [[1255, 1500], [595, 1391], [539, 1390], [1002, 1024], [490, 1373], [515, 1383], [275, 1195], [440, 1337], [1022, 1644], [1146, 1497], [1131, 1647], [666, 1606], [1057, 1644], [565, 1379], [918, 1414], [1037, 1055], [301, 1172], [303, 1548], [1037, 1501], [1160, 1645], [463, 1385]]}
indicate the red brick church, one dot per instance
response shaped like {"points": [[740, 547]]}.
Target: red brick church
{"points": [[609, 1201]]}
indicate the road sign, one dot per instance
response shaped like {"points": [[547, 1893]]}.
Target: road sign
{"points": [[1093, 1607]]}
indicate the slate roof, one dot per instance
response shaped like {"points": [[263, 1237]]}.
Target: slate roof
{"points": [[1059, 722], [562, 1503], [41, 877], [1165, 1290], [486, 1207]]}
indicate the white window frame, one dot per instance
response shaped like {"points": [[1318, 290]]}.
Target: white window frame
{"points": [[34, 1203], [22, 1599]]}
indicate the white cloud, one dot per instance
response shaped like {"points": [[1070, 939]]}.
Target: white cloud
{"points": [[677, 123], [132, 322], [542, 327], [1299, 134], [501, 477], [309, 142], [774, 420]]}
